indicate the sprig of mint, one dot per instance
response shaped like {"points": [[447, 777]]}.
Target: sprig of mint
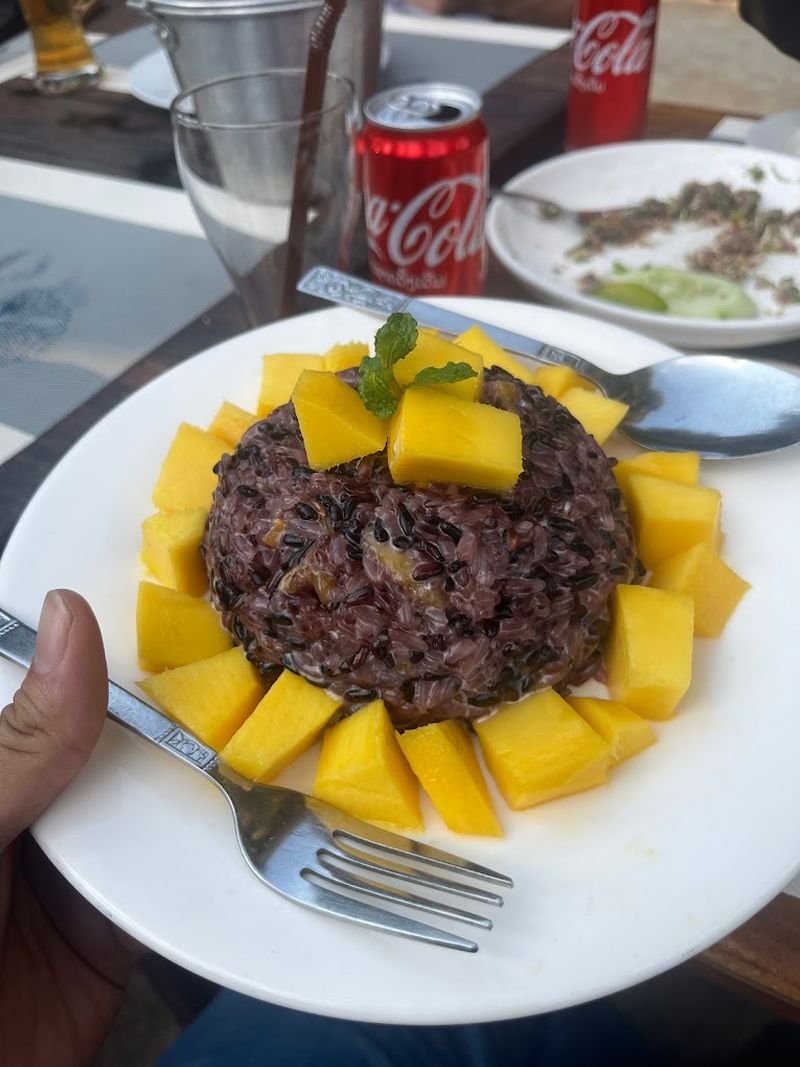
{"points": [[377, 385], [450, 372]]}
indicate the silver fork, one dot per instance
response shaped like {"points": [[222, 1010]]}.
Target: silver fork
{"points": [[306, 850]]}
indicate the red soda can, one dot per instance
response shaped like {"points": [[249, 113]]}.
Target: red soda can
{"points": [[425, 155], [612, 56]]}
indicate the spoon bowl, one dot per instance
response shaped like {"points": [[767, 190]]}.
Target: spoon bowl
{"points": [[720, 406]]}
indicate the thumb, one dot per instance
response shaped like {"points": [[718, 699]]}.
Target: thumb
{"points": [[49, 730]]}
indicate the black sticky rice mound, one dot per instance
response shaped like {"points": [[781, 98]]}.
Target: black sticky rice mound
{"points": [[442, 600]]}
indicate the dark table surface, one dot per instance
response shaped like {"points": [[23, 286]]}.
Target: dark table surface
{"points": [[115, 135]]}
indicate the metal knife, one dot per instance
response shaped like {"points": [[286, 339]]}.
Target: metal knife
{"points": [[339, 288]]}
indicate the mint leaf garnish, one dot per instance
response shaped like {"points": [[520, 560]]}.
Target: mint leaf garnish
{"points": [[376, 382], [450, 372], [377, 388], [395, 338]]}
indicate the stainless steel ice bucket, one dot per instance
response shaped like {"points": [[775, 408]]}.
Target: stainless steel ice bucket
{"points": [[208, 39]]}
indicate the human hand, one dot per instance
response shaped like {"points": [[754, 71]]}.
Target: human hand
{"points": [[63, 966]]}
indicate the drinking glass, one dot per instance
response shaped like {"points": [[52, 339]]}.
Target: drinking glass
{"points": [[64, 60], [236, 141]]}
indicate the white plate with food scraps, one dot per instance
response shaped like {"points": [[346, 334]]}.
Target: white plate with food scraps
{"points": [[684, 843], [537, 250]]}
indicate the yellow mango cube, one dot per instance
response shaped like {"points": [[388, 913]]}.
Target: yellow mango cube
{"points": [[345, 356], [649, 649], [211, 698], [187, 478], [555, 381], [442, 756], [434, 351], [335, 425], [171, 549], [435, 437], [597, 414], [626, 732], [363, 771], [477, 340], [286, 722], [279, 377], [712, 585], [539, 749], [230, 422], [681, 467], [669, 517], [174, 628]]}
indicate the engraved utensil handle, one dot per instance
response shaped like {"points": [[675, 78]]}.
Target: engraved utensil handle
{"points": [[17, 643], [328, 284]]}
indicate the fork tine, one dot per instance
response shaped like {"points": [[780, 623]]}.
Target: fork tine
{"points": [[365, 862], [331, 902], [405, 848], [400, 896]]}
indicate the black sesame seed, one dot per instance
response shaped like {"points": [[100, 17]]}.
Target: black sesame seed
{"points": [[360, 656], [585, 581], [401, 543], [352, 536], [484, 700], [288, 661], [358, 692], [240, 632], [426, 571], [619, 569], [293, 540], [354, 553], [406, 520], [431, 549], [359, 596], [306, 511], [558, 523], [451, 531], [435, 642], [455, 566], [380, 531], [491, 627], [583, 550], [282, 619], [246, 490], [348, 506], [416, 656], [408, 691], [449, 585]]}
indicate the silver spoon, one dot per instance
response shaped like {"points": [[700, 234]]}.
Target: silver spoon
{"points": [[550, 209], [719, 406]]}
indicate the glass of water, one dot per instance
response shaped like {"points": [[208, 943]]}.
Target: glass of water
{"points": [[236, 143]]}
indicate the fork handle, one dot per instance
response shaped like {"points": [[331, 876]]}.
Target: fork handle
{"points": [[17, 644]]}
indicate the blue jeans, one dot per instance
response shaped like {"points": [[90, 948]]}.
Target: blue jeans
{"points": [[235, 1031]]}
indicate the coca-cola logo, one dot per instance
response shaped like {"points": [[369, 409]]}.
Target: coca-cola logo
{"points": [[615, 42], [426, 230]]}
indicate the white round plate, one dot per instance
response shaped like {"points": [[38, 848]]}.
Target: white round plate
{"points": [[151, 79], [535, 250], [612, 886], [777, 133]]}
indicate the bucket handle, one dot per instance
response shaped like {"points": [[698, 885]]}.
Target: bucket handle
{"points": [[163, 30]]}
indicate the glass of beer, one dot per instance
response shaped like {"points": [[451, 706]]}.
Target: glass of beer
{"points": [[64, 60]]}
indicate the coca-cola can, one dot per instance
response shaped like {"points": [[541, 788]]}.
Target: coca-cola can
{"points": [[425, 157], [612, 56]]}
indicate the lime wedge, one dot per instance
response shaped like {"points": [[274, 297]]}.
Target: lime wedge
{"points": [[632, 294], [691, 294]]}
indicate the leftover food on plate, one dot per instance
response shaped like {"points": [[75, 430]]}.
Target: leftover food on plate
{"points": [[415, 550], [707, 283]]}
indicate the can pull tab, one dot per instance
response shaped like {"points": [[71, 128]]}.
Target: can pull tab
{"points": [[417, 107]]}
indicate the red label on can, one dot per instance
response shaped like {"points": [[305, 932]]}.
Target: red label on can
{"points": [[425, 203], [612, 56]]}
